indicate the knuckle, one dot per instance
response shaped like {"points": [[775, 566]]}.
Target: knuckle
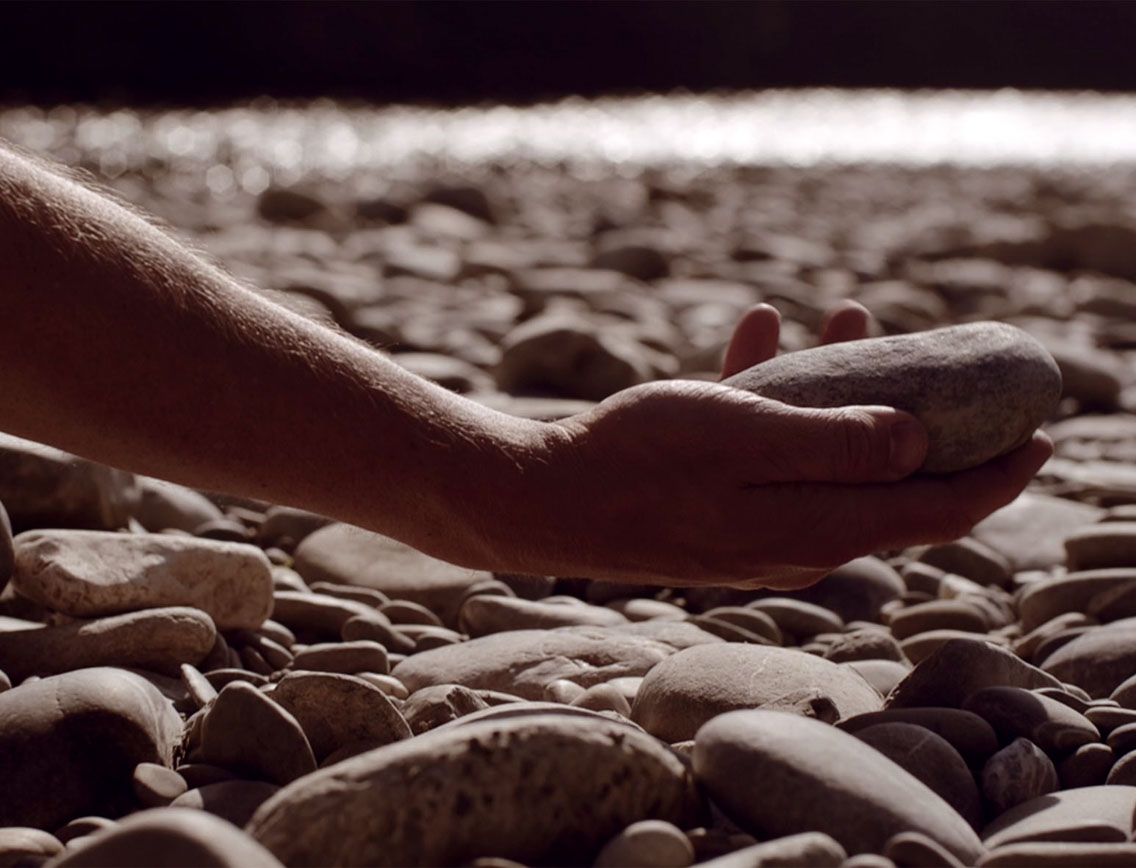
{"points": [[858, 445]]}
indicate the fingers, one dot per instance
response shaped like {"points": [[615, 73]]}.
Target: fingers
{"points": [[754, 340], [845, 445], [848, 321]]}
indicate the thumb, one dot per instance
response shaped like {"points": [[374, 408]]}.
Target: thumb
{"points": [[843, 444]]}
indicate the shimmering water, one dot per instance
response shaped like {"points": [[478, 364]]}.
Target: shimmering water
{"points": [[248, 145]]}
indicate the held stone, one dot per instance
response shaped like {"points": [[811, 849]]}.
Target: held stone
{"points": [[979, 389]]}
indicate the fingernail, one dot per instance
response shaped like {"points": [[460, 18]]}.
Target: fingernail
{"points": [[908, 446]]}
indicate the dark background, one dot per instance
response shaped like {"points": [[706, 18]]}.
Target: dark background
{"points": [[447, 52]]}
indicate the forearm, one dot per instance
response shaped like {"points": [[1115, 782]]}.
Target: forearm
{"points": [[118, 344]]}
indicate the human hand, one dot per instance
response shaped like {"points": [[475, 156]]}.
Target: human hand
{"points": [[683, 483]]}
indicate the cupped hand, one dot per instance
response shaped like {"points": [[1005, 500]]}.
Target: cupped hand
{"points": [[684, 482]]}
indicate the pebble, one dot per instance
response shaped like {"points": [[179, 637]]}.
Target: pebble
{"points": [[1057, 854], [930, 759], [482, 615], [246, 731], [83, 826], [1042, 601], [915, 850], [1087, 766], [979, 389], [285, 527], [798, 618], [1100, 814], [865, 645], [647, 844], [233, 800], [90, 573], [1097, 660], [459, 792], [777, 774], [1029, 532], [334, 710], [69, 744], [1122, 739], [729, 630], [937, 615], [440, 703], [683, 692], [803, 850], [406, 612], [321, 614], [1017, 773], [856, 590], [164, 505], [359, 655], [883, 675], [1100, 546], [348, 555], [1106, 718], [1026, 646], [524, 661], [155, 786], [958, 668], [1124, 771], [7, 552], [970, 558], [603, 697], [919, 647], [170, 836], [1051, 725], [21, 846], [156, 639], [965, 731]]}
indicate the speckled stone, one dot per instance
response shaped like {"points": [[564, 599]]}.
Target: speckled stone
{"points": [[979, 389], [469, 789]]}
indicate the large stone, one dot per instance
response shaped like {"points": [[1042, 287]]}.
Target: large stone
{"points": [[537, 788], [69, 744], [87, 574], [1096, 661], [171, 837], [980, 389], [1102, 814], [348, 555], [777, 774], [45, 487], [683, 692], [160, 640], [1029, 531], [523, 662]]}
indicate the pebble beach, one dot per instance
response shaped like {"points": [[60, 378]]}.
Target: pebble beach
{"points": [[192, 678]]}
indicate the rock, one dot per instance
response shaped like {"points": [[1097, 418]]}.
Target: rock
{"points": [[931, 759], [603, 697], [359, 655], [980, 389], [20, 845], [1123, 772], [91, 573], [1026, 646], [965, 731], [440, 703], [347, 555], [1122, 740], [482, 615], [958, 668], [524, 661], [1097, 660], [591, 778], [1103, 545], [798, 618], [7, 552], [160, 640], [171, 836], [1029, 532], [471, 200], [883, 675], [971, 558], [937, 615], [69, 744], [285, 526], [246, 731], [322, 614], [914, 850], [286, 205], [1015, 712], [751, 620], [634, 260], [1101, 814], [919, 647], [683, 692], [1073, 592], [803, 850], [570, 358], [155, 786], [334, 710], [856, 590], [777, 774], [1017, 773], [235, 800], [1060, 854], [647, 844], [45, 487], [1087, 766], [163, 505], [1125, 693]]}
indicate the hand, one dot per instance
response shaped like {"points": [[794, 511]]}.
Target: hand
{"points": [[682, 482]]}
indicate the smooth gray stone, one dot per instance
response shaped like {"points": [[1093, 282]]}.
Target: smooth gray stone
{"points": [[979, 389], [683, 692], [69, 744], [1072, 592], [534, 789], [777, 774], [1029, 531], [163, 505], [803, 850], [170, 837], [1098, 660], [1102, 813]]}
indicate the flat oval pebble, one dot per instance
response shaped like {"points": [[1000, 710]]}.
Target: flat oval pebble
{"points": [[456, 793], [965, 731], [798, 618], [883, 675], [970, 558], [90, 574], [803, 850], [156, 786], [1102, 814], [359, 655], [919, 647], [69, 744], [524, 661], [979, 389], [915, 850], [937, 615], [647, 844], [1100, 546], [171, 836], [683, 692], [1042, 601], [1057, 854], [482, 615], [246, 731], [777, 774], [864, 645], [1013, 711], [748, 618], [856, 590], [335, 710], [234, 801], [320, 613], [1097, 660], [156, 639], [1017, 773], [20, 845], [1087, 766]]}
